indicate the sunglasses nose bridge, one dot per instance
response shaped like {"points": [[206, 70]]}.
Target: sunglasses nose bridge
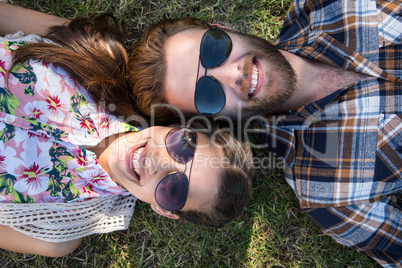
{"points": [[201, 71], [178, 167], [228, 75], [170, 164], [158, 162]]}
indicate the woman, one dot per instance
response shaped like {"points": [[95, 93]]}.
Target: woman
{"points": [[66, 147]]}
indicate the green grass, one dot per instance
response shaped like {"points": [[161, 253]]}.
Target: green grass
{"points": [[272, 233]]}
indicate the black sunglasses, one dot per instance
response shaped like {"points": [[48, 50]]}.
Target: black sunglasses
{"points": [[215, 48], [171, 192]]}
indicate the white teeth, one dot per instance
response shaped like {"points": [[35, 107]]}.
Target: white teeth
{"points": [[136, 158], [254, 80]]}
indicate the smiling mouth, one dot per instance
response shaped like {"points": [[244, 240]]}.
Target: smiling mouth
{"points": [[136, 161], [254, 80]]}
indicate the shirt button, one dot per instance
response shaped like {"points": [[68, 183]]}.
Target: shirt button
{"points": [[10, 119], [399, 149], [90, 158]]}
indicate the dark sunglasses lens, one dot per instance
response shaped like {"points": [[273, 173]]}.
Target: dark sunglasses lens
{"points": [[216, 46], [181, 144], [171, 192], [209, 97]]}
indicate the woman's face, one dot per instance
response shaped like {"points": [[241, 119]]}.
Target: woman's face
{"points": [[138, 161]]}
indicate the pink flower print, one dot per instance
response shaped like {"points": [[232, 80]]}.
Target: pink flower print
{"points": [[98, 178], [31, 179], [3, 70], [96, 161], [79, 156], [86, 189], [31, 173], [53, 103], [46, 64], [55, 106], [2, 160], [86, 123], [105, 121], [40, 136], [36, 110], [36, 113]]}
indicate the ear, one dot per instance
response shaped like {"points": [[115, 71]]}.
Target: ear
{"points": [[164, 212]]}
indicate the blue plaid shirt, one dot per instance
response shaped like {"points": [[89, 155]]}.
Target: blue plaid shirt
{"points": [[342, 154]]}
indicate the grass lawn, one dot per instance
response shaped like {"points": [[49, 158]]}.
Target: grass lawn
{"points": [[272, 233]]}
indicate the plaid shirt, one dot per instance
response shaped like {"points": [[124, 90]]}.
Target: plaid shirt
{"points": [[342, 154]]}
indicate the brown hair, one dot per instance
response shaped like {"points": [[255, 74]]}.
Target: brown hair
{"points": [[147, 67], [90, 52], [235, 184]]}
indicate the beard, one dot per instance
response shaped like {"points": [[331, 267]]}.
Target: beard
{"points": [[281, 79]]}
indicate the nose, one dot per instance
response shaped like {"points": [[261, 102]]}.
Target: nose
{"points": [[161, 164], [229, 75]]}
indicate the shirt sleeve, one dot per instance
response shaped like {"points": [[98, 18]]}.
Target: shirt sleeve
{"points": [[374, 229]]}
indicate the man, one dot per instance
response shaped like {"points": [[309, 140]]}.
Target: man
{"points": [[331, 92]]}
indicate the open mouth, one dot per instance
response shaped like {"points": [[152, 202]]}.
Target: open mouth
{"points": [[254, 80], [136, 160]]}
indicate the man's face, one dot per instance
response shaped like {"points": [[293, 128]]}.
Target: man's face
{"points": [[255, 76]]}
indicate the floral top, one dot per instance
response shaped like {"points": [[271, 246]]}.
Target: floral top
{"points": [[46, 118]]}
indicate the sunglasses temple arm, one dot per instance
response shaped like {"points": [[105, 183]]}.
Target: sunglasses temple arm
{"points": [[189, 173]]}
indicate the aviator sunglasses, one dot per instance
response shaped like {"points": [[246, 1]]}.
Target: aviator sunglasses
{"points": [[215, 48], [171, 192]]}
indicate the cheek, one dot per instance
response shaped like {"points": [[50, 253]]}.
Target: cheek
{"points": [[233, 105], [117, 161], [112, 166], [144, 193]]}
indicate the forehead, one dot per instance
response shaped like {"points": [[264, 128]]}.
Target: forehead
{"points": [[181, 58]]}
